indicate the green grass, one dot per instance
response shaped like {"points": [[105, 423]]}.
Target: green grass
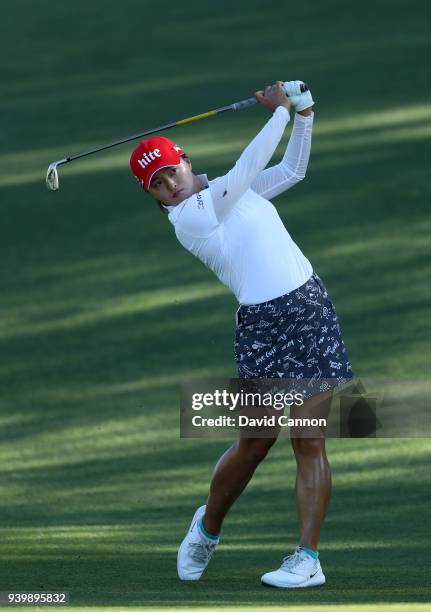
{"points": [[104, 314]]}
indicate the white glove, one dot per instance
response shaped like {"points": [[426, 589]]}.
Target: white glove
{"points": [[299, 100]]}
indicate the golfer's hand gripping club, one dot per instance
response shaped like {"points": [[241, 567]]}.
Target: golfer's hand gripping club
{"points": [[299, 94], [296, 90]]}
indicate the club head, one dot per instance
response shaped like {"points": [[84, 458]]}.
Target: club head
{"points": [[52, 175]]}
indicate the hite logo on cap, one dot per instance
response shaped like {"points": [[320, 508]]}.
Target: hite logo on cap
{"points": [[149, 157]]}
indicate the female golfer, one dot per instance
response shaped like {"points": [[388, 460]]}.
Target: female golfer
{"points": [[287, 326]]}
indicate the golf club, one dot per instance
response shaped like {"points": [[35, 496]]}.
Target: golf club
{"points": [[52, 181]]}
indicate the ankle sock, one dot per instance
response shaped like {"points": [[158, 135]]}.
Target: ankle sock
{"points": [[312, 553], [204, 532]]}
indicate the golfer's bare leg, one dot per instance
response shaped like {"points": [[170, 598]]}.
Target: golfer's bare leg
{"points": [[231, 475], [313, 480]]}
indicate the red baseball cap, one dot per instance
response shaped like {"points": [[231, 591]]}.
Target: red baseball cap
{"points": [[151, 155]]}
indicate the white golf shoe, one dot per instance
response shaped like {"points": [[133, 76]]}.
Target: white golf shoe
{"points": [[195, 551], [296, 571]]}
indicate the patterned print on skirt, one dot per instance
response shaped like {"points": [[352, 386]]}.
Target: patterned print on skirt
{"points": [[294, 336]]}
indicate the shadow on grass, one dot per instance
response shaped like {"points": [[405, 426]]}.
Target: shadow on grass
{"points": [[127, 555]]}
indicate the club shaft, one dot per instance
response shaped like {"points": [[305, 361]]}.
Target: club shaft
{"points": [[211, 113]]}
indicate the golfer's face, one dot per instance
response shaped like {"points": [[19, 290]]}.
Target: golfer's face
{"points": [[172, 185]]}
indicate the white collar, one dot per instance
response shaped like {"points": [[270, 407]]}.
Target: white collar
{"points": [[204, 178]]}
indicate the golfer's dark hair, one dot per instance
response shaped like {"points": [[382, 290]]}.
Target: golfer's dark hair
{"points": [[159, 203]]}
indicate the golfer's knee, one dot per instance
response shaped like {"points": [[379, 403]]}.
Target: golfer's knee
{"points": [[256, 449], [308, 447]]}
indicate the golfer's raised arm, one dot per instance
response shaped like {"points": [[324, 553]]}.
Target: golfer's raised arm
{"points": [[228, 189], [292, 168]]}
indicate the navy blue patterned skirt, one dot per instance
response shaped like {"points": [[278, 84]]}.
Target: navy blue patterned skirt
{"points": [[294, 336]]}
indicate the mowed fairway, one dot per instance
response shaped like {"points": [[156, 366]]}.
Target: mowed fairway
{"points": [[104, 313]]}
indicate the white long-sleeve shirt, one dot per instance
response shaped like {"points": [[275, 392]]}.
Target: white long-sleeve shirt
{"points": [[232, 227]]}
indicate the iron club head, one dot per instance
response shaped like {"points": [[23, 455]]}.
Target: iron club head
{"points": [[52, 175]]}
